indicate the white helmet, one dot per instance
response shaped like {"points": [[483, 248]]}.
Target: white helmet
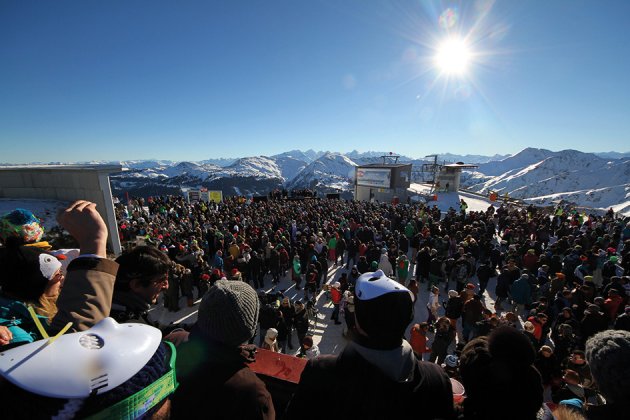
{"points": [[80, 364]]}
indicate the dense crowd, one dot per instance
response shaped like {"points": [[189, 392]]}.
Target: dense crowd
{"points": [[559, 318], [560, 275]]}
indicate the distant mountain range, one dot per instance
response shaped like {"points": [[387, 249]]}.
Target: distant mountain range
{"points": [[540, 176], [544, 177]]}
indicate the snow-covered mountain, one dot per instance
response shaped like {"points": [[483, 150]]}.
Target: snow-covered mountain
{"points": [[535, 175], [259, 167], [613, 155], [473, 159], [298, 155], [247, 176], [222, 162], [364, 158], [289, 166], [518, 161], [542, 177], [332, 172], [188, 169]]}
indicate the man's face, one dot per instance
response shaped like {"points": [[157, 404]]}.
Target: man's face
{"points": [[577, 359], [151, 292]]}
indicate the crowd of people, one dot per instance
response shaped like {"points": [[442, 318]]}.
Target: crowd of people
{"points": [[548, 342]]}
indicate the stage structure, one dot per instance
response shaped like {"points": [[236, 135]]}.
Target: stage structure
{"points": [[384, 182]]}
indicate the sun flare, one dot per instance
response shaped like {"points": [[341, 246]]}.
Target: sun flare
{"points": [[453, 57]]}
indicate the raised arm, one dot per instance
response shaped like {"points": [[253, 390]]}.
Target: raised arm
{"points": [[86, 296]]}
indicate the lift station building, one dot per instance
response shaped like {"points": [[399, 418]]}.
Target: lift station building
{"points": [[386, 182], [449, 175]]}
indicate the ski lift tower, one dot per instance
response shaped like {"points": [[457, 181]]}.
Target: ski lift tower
{"points": [[434, 168]]}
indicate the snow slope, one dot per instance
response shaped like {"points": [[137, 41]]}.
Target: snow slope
{"points": [[331, 172], [255, 166], [446, 200], [541, 176], [537, 175]]}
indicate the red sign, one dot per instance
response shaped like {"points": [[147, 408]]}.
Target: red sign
{"points": [[278, 365]]}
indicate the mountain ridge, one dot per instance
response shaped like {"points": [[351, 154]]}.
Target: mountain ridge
{"points": [[536, 175]]}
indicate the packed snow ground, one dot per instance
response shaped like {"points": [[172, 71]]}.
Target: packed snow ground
{"points": [[326, 334], [446, 200]]}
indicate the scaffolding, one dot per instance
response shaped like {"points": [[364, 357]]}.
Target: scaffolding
{"points": [[427, 173]]}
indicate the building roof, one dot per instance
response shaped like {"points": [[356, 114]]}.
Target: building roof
{"points": [[384, 166], [99, 168]]}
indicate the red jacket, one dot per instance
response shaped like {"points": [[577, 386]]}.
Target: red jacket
{"points": [[335, 295], [418, 341], [530, 261]]}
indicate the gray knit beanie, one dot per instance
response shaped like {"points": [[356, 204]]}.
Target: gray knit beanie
{"points": [[228, 312], [608, 354]]}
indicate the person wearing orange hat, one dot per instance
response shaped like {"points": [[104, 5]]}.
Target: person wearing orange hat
{"points": [[558, 281]]}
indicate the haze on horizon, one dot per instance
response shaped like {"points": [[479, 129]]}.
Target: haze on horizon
{"points": [[83, 81]]}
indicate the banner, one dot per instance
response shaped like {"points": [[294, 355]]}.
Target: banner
{"points": [[216, 196], [370, 177]]}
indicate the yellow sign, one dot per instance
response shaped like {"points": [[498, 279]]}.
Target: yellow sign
{"points": [[216, 196]]}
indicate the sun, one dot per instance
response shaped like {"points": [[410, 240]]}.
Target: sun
{"points": [[453, 57]]}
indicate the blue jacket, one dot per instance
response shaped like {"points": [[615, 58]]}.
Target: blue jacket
{"points": [[521, 291], [15, 316]]}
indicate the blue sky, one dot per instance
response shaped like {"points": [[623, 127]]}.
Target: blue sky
{"points": [[192, 80]]}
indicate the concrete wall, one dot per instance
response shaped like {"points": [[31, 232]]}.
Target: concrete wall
{"points": [[65, 183], [383, 195]]}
